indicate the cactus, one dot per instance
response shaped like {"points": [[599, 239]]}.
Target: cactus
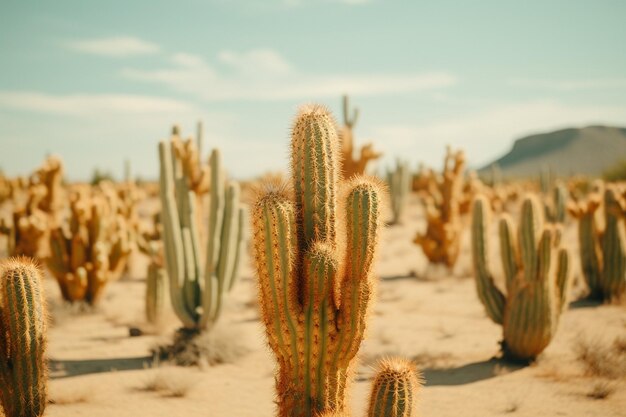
{"points": [[555, 209], [349, 165], [536, 274], [399, 185], [441, 240], [602, 249], [23, 368], [93, 253], [394, 388], [315, 286], [197, 288], [156, 290]]}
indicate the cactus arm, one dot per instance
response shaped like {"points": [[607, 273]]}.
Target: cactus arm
{"points": [[239, 248], [528, 232], [508, 252], [315, 175], [563, 278], [275, 241], [357, 286], [228, 243], [488, 293]]}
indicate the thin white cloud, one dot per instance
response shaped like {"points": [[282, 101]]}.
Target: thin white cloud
{"points": [[488, 134], [116, 46], [263, 74], [88, 104], [570, 85]]}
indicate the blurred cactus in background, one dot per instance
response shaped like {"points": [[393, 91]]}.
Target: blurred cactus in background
{"points": [[197, 286], [349, 165], [441, 240], [537, 276], [602, 242], [398, 182]]}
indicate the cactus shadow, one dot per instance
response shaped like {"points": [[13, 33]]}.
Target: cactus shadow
{"points": [[585, 303], [68, 368], [472, 372]]}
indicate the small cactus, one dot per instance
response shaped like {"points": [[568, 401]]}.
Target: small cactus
{"points": [[555, 208], [196, 287], [399, 183], [602, 249], [23, 368], [156, 291], [394, 388], [536, 274], [315, 286]]}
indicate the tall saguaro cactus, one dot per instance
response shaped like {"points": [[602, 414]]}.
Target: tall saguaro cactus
{"points": [[603, 249], [315, 285], [536, 276], [196, 286], [23, 368]]}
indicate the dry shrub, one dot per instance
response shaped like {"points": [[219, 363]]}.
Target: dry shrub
{"points": [[221, 345], [602, 360], [601, 390], [75, 395], [169, 382]]}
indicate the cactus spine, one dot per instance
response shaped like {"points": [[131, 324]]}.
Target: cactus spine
{"points": [[394, 389], [536, 275], [602, 250], [197, 288], [315, 288], [23, 369], [399, 183]]}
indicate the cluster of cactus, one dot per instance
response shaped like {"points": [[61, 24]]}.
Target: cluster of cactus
{"points": [[537, 277], [189, 154], [441, 241], [349, 165], [398, 182], [602, 243], [555, 208], [36, 209], [315, 286], [23, 368], [91, 252], [197, 286]]}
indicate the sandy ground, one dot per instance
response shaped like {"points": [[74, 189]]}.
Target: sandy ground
{"points": [[424, 313]]}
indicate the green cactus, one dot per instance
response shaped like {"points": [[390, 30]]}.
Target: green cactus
{"points": [[399, 183], [197, 288], [156, 291], [555, 209], [394, 388], [536, 275], [23, 368], [315, 287], [602, 249]]}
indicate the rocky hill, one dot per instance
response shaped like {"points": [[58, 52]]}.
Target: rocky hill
{"points": [[589, 150]]}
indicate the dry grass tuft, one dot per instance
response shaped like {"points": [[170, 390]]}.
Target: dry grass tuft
{"points": [[221, 345], [601, 360], [601, 390], [69, 396], [169, 383]]}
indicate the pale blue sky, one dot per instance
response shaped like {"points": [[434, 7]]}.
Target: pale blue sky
{"points": [[98, 82]]}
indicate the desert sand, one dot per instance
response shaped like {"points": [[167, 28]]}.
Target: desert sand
{"points": [[422, 312]]}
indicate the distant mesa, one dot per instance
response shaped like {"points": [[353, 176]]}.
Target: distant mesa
{"points": [[589, 151]]}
